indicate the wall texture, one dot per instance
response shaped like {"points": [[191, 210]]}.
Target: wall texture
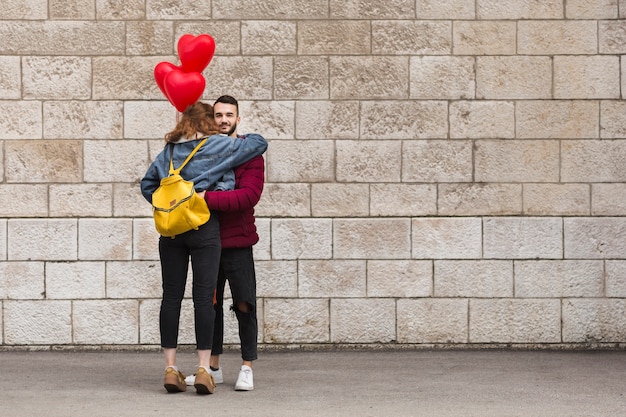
{"points": [[440, 172]]}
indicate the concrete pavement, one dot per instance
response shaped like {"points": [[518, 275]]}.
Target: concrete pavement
{"points": [[326, 383]]}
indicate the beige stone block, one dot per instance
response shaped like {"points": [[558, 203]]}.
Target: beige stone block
{"points": [[557, 199], [301, 77], [41, 322], [369, 77], [22, 280], [513, 77], [285, 200], [613, 119], [10, 77], [593, 161], [302, 238], [436, 161], [586, 77], [545, 119], [274, 37], [83, 119], [482, 119], [3, 239], [522, 238], [115, 161], [446, 238], [81, 200], [371, 238], [400, 119], [331, 278], [262, 251], [615, 278], [612, 35], [327, 119], [75, 280], [608, 199], [42, 239], [484, 37], [271, 119], [432, 321], [594, 320], [334, 37], [561, 37], [121, 9], [584, 9], [402, 200], [519, 9], [180, 10], [243, 77], [442, 77], [56, 77], [622, 8], [270, 9], [410, 37], [105, 239], [340, 200], [148, 119], [479, 199], [73, 10], [445, 9], [26, 200], [473, 279], [145, 240], [594, 238], [149, 37], [24, 10], [559, 279], [69, 38], [133, 279], [276, 279], [149, 320], [27, 126], [302, 320], [402, 279], [515, 321], [368, 161], [363, 9], [516, 161], [226, 33], [363, 320], [106, 322], [43, 161], [129, 202], [125, 78]]}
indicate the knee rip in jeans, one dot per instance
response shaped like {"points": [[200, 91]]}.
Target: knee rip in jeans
{"points": [[237, 307]]}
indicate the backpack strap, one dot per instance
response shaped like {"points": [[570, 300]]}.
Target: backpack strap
{"points": [[191, 154]]}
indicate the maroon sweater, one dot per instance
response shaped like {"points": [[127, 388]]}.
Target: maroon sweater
{"points": [[236, 207]]}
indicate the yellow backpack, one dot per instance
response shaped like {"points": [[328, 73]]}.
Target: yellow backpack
{"points": [[176, 206]]}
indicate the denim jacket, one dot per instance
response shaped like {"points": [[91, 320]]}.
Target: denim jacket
{"points": [[213, 161]]}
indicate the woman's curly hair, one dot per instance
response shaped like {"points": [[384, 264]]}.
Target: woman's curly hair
{"points": [[197, 118]]}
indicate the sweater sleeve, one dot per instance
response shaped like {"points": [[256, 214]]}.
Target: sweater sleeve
{"points": [[249, 181]]}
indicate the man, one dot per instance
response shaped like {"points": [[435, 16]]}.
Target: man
{"points": [[238, 235]]}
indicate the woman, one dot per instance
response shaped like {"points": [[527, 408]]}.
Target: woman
{"points": [[212, 163]]}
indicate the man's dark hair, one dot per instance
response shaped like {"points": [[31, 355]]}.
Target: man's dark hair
{"points": [[228, 100]]}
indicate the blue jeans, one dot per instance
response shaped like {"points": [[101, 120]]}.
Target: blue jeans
{"points": [[204, 247], [237, 267]]}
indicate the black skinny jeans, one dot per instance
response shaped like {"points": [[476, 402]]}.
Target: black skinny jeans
{"points": [[204, 247], [237, 267]]}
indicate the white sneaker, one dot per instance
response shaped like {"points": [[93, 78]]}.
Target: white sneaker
{"points": [[245, 381], [218, 377]]}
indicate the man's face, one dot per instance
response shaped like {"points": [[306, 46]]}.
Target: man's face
{"points": [[226, 117]]}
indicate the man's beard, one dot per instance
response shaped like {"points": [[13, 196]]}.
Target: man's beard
{"points": [[232, 129]]}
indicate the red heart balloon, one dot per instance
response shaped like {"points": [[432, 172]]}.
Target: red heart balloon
{"points": [[160, 71], [183, 88], [195, 52]]}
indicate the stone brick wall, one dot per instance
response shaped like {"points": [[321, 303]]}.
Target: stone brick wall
{"points": [[440, 172]]}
